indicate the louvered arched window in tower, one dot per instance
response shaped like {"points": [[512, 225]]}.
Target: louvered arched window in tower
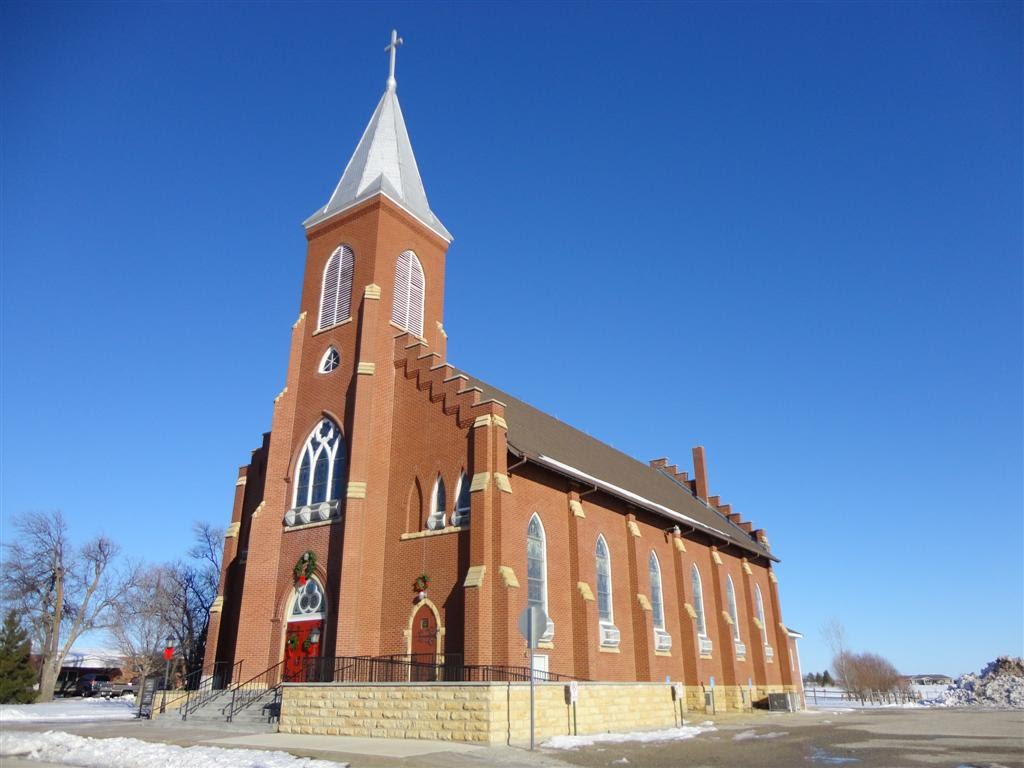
{"points": [[410, 288], [336, 293]]}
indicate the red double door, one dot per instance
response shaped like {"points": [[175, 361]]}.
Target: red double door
{"points": [[300, 653]]}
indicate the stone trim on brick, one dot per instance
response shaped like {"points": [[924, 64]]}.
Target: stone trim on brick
{"points": [[502, 482], [475, 576], [232, 530], [508, 577], [576, 508], [356, 490], [585, 591], [480, 481], [366, 369], [372, 291]]}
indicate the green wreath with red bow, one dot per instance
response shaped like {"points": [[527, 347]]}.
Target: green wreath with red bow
{"points": [[305, 566]]}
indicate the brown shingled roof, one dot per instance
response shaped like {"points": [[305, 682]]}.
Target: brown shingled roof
{"points": [[555, 445]]}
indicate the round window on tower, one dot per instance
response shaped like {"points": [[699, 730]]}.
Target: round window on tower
{"points": [[330, 360]]}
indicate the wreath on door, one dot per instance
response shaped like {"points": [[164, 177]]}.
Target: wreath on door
{"points": [[305, 566]]}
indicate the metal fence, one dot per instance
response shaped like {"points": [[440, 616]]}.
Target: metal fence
{"points": [[407, 668]]}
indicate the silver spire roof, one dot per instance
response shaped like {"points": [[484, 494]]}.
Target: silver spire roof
{"points": [[383, 163]]}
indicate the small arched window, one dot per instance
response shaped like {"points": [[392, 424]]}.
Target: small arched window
{"points": [[321, 466], [437, 506], [657, 601], [461, 514], [698, 601], [407, 306], [604, 582], [759, 608], [336, 293], [330, 361], [730, 599], [309, 602]]}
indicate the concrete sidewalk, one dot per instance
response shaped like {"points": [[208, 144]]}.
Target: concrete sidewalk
{"points": [[357, 752]]}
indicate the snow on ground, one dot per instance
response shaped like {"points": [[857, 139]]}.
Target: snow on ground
{"points": [[1000, 684], [747, 735], [69, 709], [666, 734], [67, 749]]}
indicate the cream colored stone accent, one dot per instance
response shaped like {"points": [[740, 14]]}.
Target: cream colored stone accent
{"points": [[280, 394], [634, 529], [716, 557], [217, 605], [500, 422], [231, 531], [508, 576], [757, 623], [480, 481], [772, 577], [502, 482], [356, 490], [372, 291], [366, 369], [483, 421], [680, 547], [645, 604], [298, 320], [475, 576], [240, 481], [584, 589], [746, 568], [259, 508], [727, 617], [690, 610], [576, 508], [488, 713]]}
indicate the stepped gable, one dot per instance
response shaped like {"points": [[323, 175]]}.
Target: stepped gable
{"points": [[535, 435]]}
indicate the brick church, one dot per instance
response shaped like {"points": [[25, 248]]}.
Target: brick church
{"points": [[400, 506]]}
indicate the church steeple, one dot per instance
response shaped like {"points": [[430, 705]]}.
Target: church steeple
{"points": [[383, 163]]}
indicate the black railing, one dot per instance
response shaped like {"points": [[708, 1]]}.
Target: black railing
{"points": [[210, 687], [264, 686], [408, 668]]}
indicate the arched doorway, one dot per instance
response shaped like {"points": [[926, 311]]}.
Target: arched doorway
{"points": [[425, 635], [304, 633]]}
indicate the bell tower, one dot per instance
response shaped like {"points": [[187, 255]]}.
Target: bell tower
{"points": [[375, 267]]}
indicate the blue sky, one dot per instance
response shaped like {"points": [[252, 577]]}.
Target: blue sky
{"points": [[789, 233]]}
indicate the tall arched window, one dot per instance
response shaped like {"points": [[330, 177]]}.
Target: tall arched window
{"points": [[461, 514], [698, 601], [657, 601], [437, 506], [407, 307], [759, 608], [537, 571], [605, 615], [662, 639], [730, 599], [321, 466], [336, 293]]}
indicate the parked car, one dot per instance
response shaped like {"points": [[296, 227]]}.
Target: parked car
{"points": [[101, 685]]}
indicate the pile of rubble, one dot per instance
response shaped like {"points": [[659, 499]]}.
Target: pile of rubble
{"points": [[1000, 684]]}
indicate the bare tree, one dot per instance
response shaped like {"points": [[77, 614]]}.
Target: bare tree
{"points": [[834, 635], [60, 591], [188, 590], [140, 628]]}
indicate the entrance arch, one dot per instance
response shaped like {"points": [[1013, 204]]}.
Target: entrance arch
{"points": [[425, 641], [304, 632]]}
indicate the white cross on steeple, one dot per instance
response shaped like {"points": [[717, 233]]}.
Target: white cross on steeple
{"points": [[395, 42]]}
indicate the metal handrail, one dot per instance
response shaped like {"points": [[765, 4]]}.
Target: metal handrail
{"points": [[411, 668], [243, 694], [202, 694]]}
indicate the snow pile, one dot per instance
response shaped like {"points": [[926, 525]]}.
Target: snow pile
{"points": [[69, 709], [57, 747], [1000, 684], [667, 734], [748, 735]]}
